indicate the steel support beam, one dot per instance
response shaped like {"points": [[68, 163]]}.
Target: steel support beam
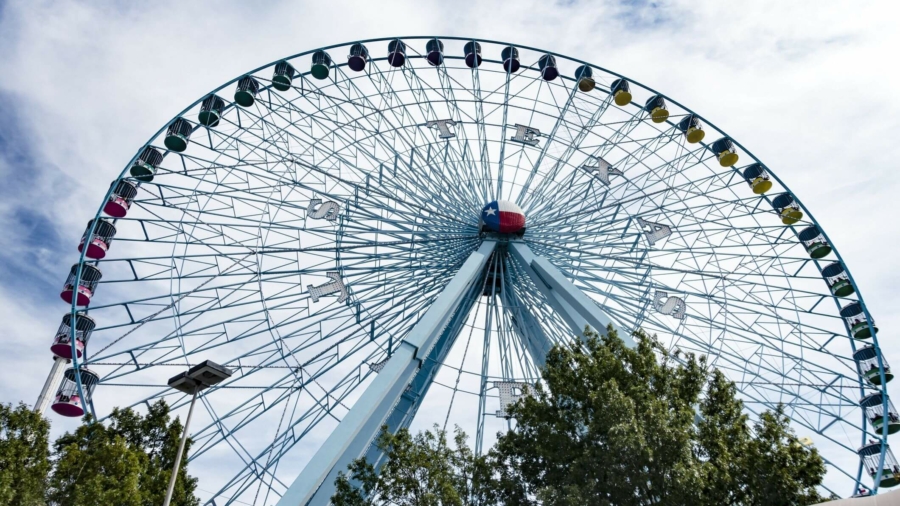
{"points": [[576, 308], [50, 386], [527, 328], [383, 402]]}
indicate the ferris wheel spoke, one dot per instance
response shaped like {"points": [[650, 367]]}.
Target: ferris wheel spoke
{"points": [[417, 86], [483, 151], [635, 268], [313, 376], [429, 114], [348, 163], [571, 148], [637, 157], [598, 153], [553, 136], [724, 300]]}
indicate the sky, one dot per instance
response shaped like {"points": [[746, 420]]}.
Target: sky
{"points": [[810, 87]]}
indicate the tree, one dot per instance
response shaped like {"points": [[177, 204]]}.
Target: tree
{"points": [[609, 425], [421, 470], [127, 461], [158, 439], [24, 456], [619, 426], [96, 466]]}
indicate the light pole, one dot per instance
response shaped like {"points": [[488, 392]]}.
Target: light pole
{"points": [[192, 381]]}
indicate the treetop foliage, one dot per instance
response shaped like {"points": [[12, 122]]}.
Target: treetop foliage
{"points": [[24, 456], [608, 425], [125, 461]]}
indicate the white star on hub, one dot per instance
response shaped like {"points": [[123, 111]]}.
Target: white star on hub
{"points": [[489, 211]]}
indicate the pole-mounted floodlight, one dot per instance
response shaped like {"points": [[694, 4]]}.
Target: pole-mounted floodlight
{"points": [[192, 381]]}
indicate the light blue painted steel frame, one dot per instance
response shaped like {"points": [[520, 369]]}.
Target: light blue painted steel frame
{"points": [[578, 309], [357, 430], [82, 259]]}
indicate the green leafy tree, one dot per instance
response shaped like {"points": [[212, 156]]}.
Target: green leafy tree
{"points": [[421, 470], [620, 426], [24, 456], [609, 425], [127, 461], [95, 466]]}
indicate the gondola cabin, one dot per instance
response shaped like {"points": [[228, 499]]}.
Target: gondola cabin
{"points": [[758, 179], [396, 53], [621, 92], [120, 199], [99, 241], [837, 279], [548, 68], [584, 76], [510, 57], [787, 208], [358, 57], [321, 65], [146, 165], [211, 110], [725, 152], [90, 276], [856, 320], [62, 342], [692, 129], [178, 134], [814, 242], [434, 52], [870, 454], [656, 106], [67, 401], [873, 404], [866, 359], [472, 51], [246, 91], [283, 76]]}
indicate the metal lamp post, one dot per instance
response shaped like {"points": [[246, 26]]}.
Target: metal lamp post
{"points": [[192, 381]]}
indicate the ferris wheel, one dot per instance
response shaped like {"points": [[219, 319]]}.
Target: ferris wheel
{"points": [[396, 231]]}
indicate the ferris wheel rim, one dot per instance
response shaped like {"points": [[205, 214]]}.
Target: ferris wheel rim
{"points": [[810, 217]]}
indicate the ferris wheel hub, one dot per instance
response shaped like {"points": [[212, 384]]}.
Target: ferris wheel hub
{"points": [[503, 217]]}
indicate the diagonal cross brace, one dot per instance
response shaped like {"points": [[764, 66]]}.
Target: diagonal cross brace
{"points": [[379, 403], [576, 308]]}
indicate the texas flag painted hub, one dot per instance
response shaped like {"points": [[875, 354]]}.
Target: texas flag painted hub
{"points": [[504, 217]]}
